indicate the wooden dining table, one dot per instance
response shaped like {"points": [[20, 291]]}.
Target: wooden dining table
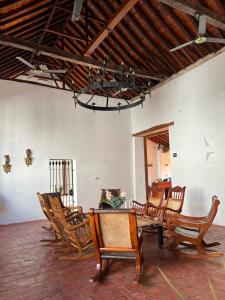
{"points": [[150, 223]]}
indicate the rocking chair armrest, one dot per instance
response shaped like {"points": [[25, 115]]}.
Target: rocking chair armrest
{"points": [[184, 217], [172, 223], [74, 207], [75, 226], [170, 209]]}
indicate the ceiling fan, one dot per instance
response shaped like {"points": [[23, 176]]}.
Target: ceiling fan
{"points": [[200, 38], [40, 69]]}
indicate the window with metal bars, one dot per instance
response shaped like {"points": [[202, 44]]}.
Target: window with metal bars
{"points": [[62, 179]]}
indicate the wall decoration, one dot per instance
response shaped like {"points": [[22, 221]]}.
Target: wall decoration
{"points": [[28, 159], [7, 166]]}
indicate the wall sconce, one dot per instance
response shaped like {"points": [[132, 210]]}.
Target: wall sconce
{"points": [[7, 166], [28, 159]]}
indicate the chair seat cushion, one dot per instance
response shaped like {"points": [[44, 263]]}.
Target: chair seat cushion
{"points": [[186, 232]]}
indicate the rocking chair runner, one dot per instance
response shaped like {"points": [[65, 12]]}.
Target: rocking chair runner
{"points": [[115, 236], [77, 231], [189, 231]]}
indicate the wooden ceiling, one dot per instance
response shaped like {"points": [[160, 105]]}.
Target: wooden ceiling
{"points": [[161, 138], [138, 34]]}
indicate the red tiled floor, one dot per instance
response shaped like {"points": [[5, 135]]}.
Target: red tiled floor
{"points": [[30, 271]]}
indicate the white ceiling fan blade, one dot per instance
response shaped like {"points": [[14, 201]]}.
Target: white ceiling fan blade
{"points": [[77, 6], [25, 62], [215, 40], [55, 71], [202, 25], [117, 93], [43, 67], [181, 46]]}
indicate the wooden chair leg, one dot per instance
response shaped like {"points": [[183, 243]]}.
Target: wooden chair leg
{"points": [[101, 271], [139, 269]]}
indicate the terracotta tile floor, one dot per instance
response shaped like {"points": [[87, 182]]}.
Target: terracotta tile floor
{"points": [[29, 271]]}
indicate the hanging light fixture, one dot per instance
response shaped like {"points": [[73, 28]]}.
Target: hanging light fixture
{"points": [[97, 83]]}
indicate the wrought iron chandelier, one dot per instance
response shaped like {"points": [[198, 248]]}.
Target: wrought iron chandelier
{"points": [[122, 82]]}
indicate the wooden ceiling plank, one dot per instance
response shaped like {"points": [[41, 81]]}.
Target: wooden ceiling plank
{"points": [[90, 17], [163, 24], [196, 8], [17, 22], [135, 42], [161, 60], [111, 24], [33, 6]]}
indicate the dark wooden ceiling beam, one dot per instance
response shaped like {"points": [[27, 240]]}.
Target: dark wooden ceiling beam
{"points": [[196, 8], [111, 24], [133, 41], [63, 55]]}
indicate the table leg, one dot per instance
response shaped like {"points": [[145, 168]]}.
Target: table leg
{"points": [[160, 236]]}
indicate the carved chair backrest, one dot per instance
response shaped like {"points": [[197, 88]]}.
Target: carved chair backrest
{"points": [[140, 208], [155, 196], [175, 198], [55, 195], [212, 212], [114, 230], [152, 211]]}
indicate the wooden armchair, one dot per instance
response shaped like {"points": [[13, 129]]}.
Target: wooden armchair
{"points": [[115, 236], [76, 228], [190, 231], [174, 204]]}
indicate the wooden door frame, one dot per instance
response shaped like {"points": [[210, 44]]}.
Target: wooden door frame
{"points": [[145, 134]]}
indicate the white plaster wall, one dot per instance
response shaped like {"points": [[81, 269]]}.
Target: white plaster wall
{"points": [[195, 101], [45, 121]]}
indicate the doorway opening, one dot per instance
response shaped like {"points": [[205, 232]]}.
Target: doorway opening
{"points": [[157, 157]]}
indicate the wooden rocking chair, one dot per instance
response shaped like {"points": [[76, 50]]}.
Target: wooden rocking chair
{"points": [[54, 226], [115, 236], [77, 231], [190, 231]]}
